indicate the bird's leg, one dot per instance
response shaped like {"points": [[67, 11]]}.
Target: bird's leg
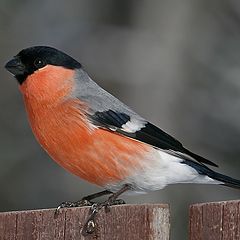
{"points": [[97, 195], [90, 226], [85, 201]]}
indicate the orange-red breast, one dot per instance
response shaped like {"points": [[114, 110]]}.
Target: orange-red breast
{"points": [[95, 136]]}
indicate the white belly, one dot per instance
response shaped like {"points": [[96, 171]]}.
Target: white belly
{"points": [[160, 170]]}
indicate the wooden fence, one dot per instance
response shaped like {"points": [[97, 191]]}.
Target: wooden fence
{"points": [[122, 222], [215, 221]]}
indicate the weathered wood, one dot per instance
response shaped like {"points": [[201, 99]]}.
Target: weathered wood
{"points": [[122, 222], [215, 221]]}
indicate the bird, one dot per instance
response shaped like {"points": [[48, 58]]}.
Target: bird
{"points": [[98, 138]]}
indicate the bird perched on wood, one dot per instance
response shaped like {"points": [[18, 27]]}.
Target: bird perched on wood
{"points": [[95, 136]]}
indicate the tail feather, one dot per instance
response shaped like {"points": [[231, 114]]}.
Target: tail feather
{"points": [[226, 181], [223, 179]]}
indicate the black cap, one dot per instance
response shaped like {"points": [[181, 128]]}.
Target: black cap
{"points": [[31, 59]]}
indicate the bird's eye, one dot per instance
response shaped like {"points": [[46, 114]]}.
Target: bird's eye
{"points": [[39, 63]]}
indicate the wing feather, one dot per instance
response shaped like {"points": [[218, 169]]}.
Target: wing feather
{"points": [[147, 133]]}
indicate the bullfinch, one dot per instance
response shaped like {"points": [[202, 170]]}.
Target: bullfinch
{"points": [[95, 136]]}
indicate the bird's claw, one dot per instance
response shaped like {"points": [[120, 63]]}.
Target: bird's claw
{"points": [[90, 225], [81, 203]]}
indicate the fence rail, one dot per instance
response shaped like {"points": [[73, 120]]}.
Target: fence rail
{"points": [[207, 221], [132, 222]]}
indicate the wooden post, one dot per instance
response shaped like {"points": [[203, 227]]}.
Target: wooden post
{"points": [[215, 221], [132, 222]]}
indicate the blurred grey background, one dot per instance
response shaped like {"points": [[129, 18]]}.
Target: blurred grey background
{"points": [[177, 63]]}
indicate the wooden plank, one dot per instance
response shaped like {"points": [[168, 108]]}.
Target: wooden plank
{"points": [[215, 221], [231, 220], [8, 226], [52, 228], [122, 222], [196, 225]]}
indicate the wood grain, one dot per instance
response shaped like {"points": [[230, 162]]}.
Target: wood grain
{"points": [[150, 222], [215, 221]]}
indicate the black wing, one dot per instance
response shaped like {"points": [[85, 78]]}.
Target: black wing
{"points": [[147, 133]]}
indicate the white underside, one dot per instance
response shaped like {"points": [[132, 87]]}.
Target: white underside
{"points": [[160, 170]]}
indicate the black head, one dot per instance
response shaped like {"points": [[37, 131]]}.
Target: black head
{"points": [[31, 59]]}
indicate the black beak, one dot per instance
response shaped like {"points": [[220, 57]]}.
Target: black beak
{"points": [[15, 66]]}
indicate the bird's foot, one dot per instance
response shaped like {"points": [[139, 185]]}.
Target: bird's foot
{"points": [[81, 203], [86, 201], [110, 202], [90, 225]]}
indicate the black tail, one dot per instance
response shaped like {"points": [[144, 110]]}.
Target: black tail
{"points": [[226, 181], [200, 158], [204, 170]]}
